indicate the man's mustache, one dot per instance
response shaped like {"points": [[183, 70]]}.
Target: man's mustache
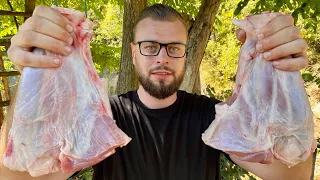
{"points": [[159, 68]]}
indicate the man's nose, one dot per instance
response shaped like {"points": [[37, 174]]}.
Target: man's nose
{"points": [[163, 57]]}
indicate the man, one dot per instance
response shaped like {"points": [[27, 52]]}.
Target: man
{"points": [[165, 124]]}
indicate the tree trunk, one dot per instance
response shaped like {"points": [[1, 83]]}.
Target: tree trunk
{"points": [[197, 42], [29, 6], [197, 85], [127, 78]]}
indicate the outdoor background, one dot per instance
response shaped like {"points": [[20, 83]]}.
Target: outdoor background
{"points": [[214, 68]]}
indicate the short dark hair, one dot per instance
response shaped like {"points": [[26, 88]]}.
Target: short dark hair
{"points": [[160, 12]]}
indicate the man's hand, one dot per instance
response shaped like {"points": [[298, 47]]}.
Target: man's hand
{"points": [[280, 42], [46, 29]]}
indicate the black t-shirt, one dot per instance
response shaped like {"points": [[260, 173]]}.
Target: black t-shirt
{"points": [[166, 143]]}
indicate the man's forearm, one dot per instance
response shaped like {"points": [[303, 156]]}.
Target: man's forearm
{"points": [[7, 123], [5, 173], [278, 170]]}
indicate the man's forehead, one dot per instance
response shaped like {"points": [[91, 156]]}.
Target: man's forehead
{"points": [[162, 31]]}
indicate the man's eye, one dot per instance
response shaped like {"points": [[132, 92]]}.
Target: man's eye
{"points": [[174, 49], [150, 48]]}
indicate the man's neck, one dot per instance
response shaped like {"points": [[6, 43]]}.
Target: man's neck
{"points": [[155, 103]]}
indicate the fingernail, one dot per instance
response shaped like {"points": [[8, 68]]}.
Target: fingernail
{"points": [[69, 28], [67, 50], [70, 40], [267, 55], [260, 36], [275, 63], [259, 48], [56, 61]]}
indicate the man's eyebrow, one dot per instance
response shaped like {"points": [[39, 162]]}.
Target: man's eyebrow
{"points": [[177, 42], [173, 42]]}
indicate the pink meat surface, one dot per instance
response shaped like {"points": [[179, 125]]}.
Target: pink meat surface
{"points": [[62, 117], [268, 115]]}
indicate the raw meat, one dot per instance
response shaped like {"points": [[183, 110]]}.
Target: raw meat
{"points": [[268, 115], [62, 117]]}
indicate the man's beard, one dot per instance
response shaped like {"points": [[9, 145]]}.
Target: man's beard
{"points": [[159, 89]]}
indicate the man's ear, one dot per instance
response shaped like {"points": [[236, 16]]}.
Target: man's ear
{"points": [[133, 52]]}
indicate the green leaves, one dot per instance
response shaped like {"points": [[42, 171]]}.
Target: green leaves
{"points": [[218, 67], [230, 171], [106, 45], [308, 77], [306, 9]]}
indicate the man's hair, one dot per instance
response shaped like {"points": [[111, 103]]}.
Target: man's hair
{"points": [[159, 12]]}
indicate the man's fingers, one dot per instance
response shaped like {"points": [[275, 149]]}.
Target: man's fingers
{"points": [[33, 39], [241, 35], [283, 36], [46, 27], [22, 58], [279, 23], [291, 64], [284, 50], [53, 16]]}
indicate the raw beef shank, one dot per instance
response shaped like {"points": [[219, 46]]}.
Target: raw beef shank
{"points": [[62, 118], [268, 115]]}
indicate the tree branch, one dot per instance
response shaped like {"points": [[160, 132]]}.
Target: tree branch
{"points": [[29, 7], [14, 17], [10, 13]]}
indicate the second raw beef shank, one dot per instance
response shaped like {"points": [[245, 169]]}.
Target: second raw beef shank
{"points": [[268, 115]]}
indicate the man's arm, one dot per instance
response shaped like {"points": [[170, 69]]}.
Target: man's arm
{"points": [[278, 170], [7, 174], [281, 39]]}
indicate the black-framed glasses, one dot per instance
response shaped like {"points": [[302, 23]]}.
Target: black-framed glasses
{"points": [[152, 48]]}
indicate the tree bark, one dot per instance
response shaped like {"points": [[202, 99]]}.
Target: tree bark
{"points": [[197, 85], [127, 78], [197, 42], [29, 6]]}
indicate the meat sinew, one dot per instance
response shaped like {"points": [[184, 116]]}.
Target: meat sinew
{"points": [[62, 117], [268, 115]]}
